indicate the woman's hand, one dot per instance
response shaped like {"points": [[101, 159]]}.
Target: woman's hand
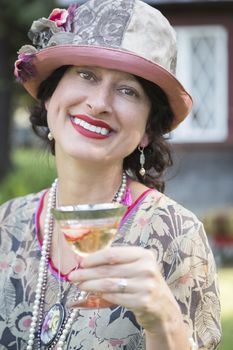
{"points": [[129, 276]]}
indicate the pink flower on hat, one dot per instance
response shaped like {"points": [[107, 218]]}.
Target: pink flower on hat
{"points": [[23, 68], [59, 16], [17, 67], [63, 18]]}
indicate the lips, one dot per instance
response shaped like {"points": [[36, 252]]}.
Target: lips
{"points": [[90, 127]]}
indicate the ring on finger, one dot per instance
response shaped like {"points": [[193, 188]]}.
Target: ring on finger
{"points": [[122, 284]]}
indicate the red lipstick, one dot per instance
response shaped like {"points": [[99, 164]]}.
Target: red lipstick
{"points": [[90, 133], [91, 121]]}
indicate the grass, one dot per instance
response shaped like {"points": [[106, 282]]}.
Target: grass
{"points": [[34, 170], [226, 290]]}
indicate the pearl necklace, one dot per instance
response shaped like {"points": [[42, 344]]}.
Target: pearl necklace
{"points": [[37, 315]]}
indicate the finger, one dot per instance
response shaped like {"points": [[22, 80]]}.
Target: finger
{"points": [[114, 255], [125, 299], [97, 287], [112, 299], [121, 270], [120, 285], [110, 285]]}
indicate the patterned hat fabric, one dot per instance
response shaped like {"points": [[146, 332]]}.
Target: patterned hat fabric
{"points": [[125, 35]]}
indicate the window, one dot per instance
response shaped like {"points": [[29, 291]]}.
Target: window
{"points": [[202, 68]]}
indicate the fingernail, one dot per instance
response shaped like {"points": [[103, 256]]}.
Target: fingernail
{"points": [[75, 268], [81, 264], [71, 280]]}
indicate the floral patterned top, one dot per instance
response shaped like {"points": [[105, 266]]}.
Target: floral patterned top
{"points": [[154, 222]]}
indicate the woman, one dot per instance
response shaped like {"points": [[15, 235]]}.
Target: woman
{"points": [[103, 76]]}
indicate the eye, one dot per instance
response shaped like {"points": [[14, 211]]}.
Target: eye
{"points": [[86, 75], [129, 91]]}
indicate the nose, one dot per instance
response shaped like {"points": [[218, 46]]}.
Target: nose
{"points": [[99, 101]]}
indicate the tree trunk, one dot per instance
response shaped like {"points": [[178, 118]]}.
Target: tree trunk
{"points": [[5, 106]]}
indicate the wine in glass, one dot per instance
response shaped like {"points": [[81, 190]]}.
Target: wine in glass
{"points": [[88, 228]]}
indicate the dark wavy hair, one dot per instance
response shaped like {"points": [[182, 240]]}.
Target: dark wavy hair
{"points": [[157, 153]]}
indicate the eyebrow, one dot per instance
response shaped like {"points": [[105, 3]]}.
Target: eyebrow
{"points": [[126, 76], [131, 77]]}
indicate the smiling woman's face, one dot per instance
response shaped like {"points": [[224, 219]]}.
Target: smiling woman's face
{"points": [[98, 115]]}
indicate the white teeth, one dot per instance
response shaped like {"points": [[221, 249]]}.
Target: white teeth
{"points": [[87, 126], [93, 128], [104, 131], [76, 121]]}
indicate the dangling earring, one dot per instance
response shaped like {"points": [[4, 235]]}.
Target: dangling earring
{"points": [[50, 136], [142, 170]]}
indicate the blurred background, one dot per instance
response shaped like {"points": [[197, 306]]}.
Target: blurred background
{"points": [[202, 175]]}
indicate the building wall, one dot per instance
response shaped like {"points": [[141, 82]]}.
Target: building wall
{"points": [[202, 175], [202, 180], [208, 14]]}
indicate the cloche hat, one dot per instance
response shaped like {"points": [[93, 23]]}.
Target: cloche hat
{"points": [[126, 35]]}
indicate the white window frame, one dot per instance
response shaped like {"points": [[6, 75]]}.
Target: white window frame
{"points": [[185, 133]]}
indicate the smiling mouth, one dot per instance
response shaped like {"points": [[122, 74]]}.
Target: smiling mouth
{"points": [[90, 127]]}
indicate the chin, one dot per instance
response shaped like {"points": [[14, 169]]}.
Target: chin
{"points": [[84, 156]]}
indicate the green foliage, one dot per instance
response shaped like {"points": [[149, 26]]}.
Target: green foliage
{"points": [[17, 17], [227, 338], [226, 289], [32, 170], [22, 12], [219, 221]]}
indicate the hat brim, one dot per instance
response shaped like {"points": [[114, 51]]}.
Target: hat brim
{"points": [[47, 60]]}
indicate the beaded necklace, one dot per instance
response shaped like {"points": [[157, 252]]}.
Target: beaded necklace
{"points": [[65, 322]]}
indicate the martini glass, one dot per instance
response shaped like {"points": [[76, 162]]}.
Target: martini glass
{"points": [[88, 228]]}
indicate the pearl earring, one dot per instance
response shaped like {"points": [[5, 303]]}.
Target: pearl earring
{"points": [[50, 136], [142, 170]]}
